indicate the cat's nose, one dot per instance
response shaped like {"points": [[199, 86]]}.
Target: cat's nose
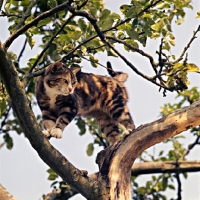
{"points": [[70, 89]]}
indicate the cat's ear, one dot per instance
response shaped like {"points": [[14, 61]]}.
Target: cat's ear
{"points": [[56, 67], [75, 70]]}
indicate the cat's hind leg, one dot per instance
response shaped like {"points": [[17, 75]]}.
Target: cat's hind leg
{"points": [[110, 128], [122, 115]]}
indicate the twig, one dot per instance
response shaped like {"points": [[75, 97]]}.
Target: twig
{"points": [[190, 147], [24, 28], [9, 15], [49, 43], [26, 14], [112, 28], [94, 62], [5, 116], [78, 46], [22, 51], [1, 3], [2, 144], [54, 36], [104, 39], [161, 62], [179, 186], [141, 52], [187, 46]]}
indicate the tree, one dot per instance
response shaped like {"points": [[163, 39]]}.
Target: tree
{"points": [[87, 28]]}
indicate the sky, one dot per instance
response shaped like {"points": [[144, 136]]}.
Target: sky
{"points": [[24, 174]]}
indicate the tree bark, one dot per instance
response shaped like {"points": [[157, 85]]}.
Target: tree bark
{"points": [[115, 162], [5, 195]]}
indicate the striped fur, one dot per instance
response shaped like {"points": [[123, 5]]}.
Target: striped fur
{"points": [[64, 93]]}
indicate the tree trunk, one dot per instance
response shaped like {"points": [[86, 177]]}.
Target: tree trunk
{"points": [[115, 162]]}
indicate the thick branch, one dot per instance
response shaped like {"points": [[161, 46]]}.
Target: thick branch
{"points": [[28, 122], [165, 167], [5, 195]]}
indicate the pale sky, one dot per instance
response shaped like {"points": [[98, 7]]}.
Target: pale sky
{"points": [[24, 174]]}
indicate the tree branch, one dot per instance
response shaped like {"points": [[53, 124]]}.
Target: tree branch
{"points": [[187, 46], [52, 157], [26, 14], [24, 28], [165, 167], [141, 52], [5, 195]]}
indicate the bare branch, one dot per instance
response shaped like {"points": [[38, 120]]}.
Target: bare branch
{"points": [[22, 51], [165, 167], [190, 147], [188, 45]]}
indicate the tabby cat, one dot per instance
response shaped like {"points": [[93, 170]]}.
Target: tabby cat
{"points": [[64, 93]]}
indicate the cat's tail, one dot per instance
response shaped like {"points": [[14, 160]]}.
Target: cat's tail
{"points": [[120, 76]]}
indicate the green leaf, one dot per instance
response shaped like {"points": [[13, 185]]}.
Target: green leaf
{"points": [[158, 26], [198, 15], [3, 106], [44, 22], [73, 32], [8, 140], [81, 125], [52, 175], [52, 3], [192, 67], [171, 187], [90, 149], [7, 8], [104, 15], [107, 24], [82, 24], [111, 53], [30, 40], [179, 21], [132, 12]]}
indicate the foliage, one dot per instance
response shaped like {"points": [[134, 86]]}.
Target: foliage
{"points": [[80, 30]]}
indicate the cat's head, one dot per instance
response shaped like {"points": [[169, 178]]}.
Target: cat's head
{"points": [[60, 79]]}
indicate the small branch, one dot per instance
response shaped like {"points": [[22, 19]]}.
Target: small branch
{"points": [[54, 36], [1, 4], [187, 46], [22, 51], [24, 28], [5, 117], [26, 14], [190, 147], [161, 62], [77, 47], [141, 52], [49, 43], [177, 175]]}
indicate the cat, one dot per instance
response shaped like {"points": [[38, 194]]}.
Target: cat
{"points": [[63, 93]]}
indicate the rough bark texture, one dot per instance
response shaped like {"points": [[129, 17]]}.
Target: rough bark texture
{"points": [[115, 162], [5, 195]]}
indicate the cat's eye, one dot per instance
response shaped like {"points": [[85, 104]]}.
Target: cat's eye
{"points": [[65, 81]]}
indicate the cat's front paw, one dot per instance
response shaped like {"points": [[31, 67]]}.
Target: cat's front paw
{"points": [[126, 132], [46, 133], [56, 132]]}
